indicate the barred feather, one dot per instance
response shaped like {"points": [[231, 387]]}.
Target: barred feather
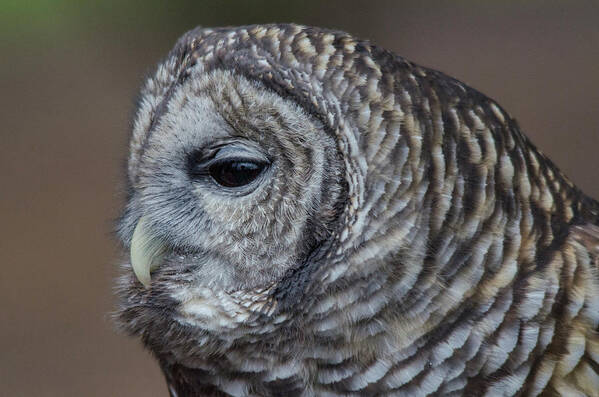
{"points": [[426, 246]]}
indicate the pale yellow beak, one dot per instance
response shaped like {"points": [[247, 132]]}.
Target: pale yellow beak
{"points": [[147, 252]]}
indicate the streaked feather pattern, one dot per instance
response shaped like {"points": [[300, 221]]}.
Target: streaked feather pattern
{"points": [[431, 249]]}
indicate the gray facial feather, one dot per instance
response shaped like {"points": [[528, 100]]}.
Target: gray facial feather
{"points": [[405, 238]]}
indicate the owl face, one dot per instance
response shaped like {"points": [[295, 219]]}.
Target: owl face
{"points": [[234, 187]]}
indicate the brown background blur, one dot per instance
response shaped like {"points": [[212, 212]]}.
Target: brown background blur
{"points": [[69, 71]]}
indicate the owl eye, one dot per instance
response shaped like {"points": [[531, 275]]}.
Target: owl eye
{"points": [[235, 173]]}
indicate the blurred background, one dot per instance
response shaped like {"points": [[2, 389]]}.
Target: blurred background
{"points": [[68, 75]]}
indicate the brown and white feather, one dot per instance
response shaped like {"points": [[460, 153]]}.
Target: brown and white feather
{"points": [[415, 243]]}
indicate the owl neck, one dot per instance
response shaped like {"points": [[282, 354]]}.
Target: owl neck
{"points": [[442, 273], [456, 239]]}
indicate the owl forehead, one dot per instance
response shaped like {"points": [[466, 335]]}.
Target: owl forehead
{"points": [[316, 67]]}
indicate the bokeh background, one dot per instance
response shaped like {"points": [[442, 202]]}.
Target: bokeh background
{"points": [[69, 71]]}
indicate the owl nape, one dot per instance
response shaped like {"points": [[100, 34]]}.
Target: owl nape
{"points": [[311, 214]]}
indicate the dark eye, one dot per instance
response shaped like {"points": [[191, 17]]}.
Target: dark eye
{"points": [[235, 173]]}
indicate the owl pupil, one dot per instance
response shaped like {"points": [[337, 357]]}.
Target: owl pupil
{"points": [[235, 173]]}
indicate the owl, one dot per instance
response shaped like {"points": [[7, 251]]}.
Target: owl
{"points": [[309, 214]]}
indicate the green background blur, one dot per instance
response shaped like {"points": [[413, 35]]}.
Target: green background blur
{"points": [[69, 71]]}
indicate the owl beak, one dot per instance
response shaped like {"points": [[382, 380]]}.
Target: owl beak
{"points": [[147, 252]]}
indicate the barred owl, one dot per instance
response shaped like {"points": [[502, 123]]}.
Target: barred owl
{"points": [[310, 214]]}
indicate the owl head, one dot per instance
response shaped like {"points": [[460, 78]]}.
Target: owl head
{"points": [[238, 183], [272, 166]]}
